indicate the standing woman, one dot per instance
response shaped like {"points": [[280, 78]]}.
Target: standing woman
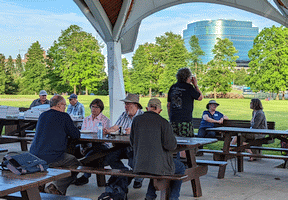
{"points": [[258, 121]]}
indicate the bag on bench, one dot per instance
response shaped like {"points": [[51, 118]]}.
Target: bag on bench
{"points": [[24, 163]]}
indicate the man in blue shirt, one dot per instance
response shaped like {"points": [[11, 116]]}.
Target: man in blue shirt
{"points": [[75, 108], [209, 118], [50, 142]]}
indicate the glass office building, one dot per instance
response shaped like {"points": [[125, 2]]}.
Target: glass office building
{"points": [[241, 33]]}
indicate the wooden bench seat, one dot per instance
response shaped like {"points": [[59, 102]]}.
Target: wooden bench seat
{"points": [[211, 162], [117, 172], [234, 154], [265, 148], [44, 196]]}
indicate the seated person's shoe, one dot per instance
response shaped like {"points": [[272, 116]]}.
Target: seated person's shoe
{"points": [[199, 153], [81, 181], [52, 189], [137, 185]]}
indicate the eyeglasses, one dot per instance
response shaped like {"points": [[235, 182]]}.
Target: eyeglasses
{"points": [[95, 107]]}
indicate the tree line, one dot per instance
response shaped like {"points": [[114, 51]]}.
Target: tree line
{"points": [[74, 63]]}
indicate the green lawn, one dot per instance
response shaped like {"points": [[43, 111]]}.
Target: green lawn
{"points": [[233, 108]]}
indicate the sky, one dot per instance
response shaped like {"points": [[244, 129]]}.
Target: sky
{"points": [[23, 22]]}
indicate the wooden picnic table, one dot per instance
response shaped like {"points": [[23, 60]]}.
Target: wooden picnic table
{"points": [[228, 132], [188, 145], [28, 184]]}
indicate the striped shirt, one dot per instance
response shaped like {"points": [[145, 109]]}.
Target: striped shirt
{"points": [[125, 121], [90, 124]]}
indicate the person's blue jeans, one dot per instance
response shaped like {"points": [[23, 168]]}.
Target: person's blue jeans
{"points": [[175, 185], [202, 133]]}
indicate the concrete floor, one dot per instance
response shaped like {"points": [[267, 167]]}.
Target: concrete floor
{"points": [[260, 180]]}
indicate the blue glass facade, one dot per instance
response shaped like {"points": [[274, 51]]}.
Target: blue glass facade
{"points": [[241, 33]]}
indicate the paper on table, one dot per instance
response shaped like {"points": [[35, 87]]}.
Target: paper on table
{"points": [[85, 131]]}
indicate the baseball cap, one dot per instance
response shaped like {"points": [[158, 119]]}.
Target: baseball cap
{"points": [[43, 93], [154, 103], [73, 96]]}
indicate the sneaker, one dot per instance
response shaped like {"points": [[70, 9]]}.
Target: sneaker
{"points": [[137, 185], [52, 189], [81, 181]]}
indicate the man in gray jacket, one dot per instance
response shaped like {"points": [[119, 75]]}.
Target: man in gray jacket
{"points": [[152, 140]]}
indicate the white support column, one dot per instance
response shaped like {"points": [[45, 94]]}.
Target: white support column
{"points": [[116, 81]]}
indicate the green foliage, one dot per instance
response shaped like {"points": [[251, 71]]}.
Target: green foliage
{"points": [[240, 77], [19, 67], [194, 55], [2, 74], [75, 61], [218, 77], [35, 75], [126, 75], [10, 85], [173, 56], [146, 69], [269, 60]]}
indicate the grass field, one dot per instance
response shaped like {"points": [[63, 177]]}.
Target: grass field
{"points": [[234, 108]]}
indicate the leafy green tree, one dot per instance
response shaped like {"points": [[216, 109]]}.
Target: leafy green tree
{"points": [[194, 56], [126, 75], [240, 77], [2, 74], [172, 56], [10, 85], [76, 62], [269, 64], [146, 69], [19, 67], [35, 75], [218, 77]]}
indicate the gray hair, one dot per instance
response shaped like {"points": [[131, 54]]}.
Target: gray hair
{"points": [[183, 74], [55, 100]]}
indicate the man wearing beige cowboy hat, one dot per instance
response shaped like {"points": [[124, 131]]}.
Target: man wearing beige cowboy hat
{"points": [[132, 109], [209, 118]]}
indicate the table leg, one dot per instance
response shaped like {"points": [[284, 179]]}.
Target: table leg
{"points": [[239, 158], [226, 146], [31, 194], [191, 162]]}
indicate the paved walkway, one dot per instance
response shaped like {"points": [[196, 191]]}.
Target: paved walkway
{"points": [[260, 180]]}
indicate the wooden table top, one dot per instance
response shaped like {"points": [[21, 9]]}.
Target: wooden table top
{"points": [[10, 183], [248, 130], [125, 139]]}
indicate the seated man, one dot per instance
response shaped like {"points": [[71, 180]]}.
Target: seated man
{"points": [[75, 108], [153, 141], [50, 142], [42, 99], [209, 118], [132, 109]]}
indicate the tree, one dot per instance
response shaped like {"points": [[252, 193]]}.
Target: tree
{"points": [[218, 77], [146, 69], [19, 67], [126, 75], [76, 62], [10, 85], [194, 55], [172, 56], [2, 74], [269, 64], [35, 75], [240, 77]]}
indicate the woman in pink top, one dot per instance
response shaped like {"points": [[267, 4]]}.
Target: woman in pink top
{"points": [[90, 123]]}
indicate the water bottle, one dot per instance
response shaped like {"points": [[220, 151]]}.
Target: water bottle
{"points": [[100, 131]]}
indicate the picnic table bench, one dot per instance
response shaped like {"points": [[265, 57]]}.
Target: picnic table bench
{"points": [[238, 151]]}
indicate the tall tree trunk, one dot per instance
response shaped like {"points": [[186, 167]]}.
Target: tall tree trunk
{"points": [[277, 97], [74, 89], [86, 90], [215, 93], [150, 90], [283, 95]]}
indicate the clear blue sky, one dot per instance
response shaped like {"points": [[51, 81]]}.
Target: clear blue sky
{"points": [[23, 22]]}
